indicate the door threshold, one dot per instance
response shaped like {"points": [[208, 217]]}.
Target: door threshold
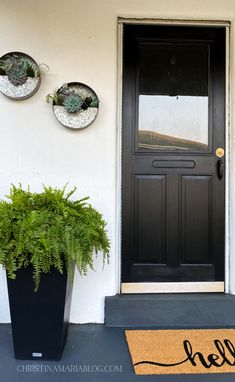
{"points": [[174, 287]]}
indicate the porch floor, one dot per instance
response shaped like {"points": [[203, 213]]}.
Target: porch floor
{"points": [[93, 353]]}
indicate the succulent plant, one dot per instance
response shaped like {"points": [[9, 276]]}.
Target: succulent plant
{"points": [[73, 102], [17, 74], [18, 69], [64, 90], [94, 102], [55, 97], [86, 103], [3, 68], [90, 102]]}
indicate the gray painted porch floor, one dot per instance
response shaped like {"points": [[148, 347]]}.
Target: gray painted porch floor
{"points": [[90, 346]]}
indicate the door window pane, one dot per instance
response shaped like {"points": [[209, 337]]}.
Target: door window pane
{"points": [[173, 97]]}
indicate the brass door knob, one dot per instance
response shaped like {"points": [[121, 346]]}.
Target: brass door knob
{"points": [[219, 152]]}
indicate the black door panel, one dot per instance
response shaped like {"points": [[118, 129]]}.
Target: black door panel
{"points": [[172, 181]]}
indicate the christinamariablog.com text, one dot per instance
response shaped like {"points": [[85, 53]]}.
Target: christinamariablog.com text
{"points": [[72, 368]]}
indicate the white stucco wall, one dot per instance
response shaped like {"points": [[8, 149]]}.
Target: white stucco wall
{"points": [[78, 41]]}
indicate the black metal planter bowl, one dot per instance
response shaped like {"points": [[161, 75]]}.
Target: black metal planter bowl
{"points": [[39, 319]]}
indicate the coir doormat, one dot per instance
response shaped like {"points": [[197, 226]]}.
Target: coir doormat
{"points": [[182, 351]]}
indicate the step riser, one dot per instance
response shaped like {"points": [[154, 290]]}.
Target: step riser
{"points": [[170, 311]]}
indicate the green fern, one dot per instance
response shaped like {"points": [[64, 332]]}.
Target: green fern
{"points": [[49, 230]]}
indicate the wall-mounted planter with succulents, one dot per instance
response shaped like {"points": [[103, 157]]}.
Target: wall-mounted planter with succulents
{"points": [[19, 76], [75, 105]]}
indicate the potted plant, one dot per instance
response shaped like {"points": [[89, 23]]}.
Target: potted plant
{"points": [[42, 236], [19, 75], [75, 105]]}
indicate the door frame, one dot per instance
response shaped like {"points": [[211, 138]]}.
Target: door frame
{"points": [[173, 287]]}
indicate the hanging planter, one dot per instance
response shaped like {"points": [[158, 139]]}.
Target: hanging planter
{"points": [[19, 76], [75, 105]]}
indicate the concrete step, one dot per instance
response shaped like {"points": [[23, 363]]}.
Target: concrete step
{"points": [[199, 310]]}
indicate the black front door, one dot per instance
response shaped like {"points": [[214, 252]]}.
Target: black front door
{"points": [[173, 154]]}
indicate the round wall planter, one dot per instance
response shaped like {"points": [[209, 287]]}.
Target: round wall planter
{"points": [[75, 105], [19, 76]]}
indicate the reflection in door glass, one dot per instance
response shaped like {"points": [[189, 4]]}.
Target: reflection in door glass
{"points": [[173, 97], [177, 122]]}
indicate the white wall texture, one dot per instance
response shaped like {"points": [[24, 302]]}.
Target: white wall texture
{"points": [[78, 41]]}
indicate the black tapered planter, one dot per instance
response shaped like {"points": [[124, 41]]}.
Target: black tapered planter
{"points": [[39, 319]]}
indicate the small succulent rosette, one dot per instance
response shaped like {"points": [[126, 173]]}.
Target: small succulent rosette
{"points": [[19, 76], [75, 105]]}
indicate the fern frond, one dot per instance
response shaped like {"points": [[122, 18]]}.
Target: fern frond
{"points": [[49, 230]]}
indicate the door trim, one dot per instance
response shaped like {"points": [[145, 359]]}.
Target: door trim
{"points": [[144, 287]]}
